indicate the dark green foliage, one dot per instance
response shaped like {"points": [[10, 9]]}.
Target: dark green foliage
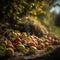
{"points": [[13, 14]]}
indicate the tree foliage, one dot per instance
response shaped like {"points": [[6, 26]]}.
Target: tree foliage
{"points": [[21, 14]]}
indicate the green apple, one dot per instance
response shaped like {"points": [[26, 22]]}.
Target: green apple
{"points": [[21, 48], [33, 49], [2, 49]]}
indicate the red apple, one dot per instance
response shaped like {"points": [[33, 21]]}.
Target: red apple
{"points": [[18, 41], [42, 45]]}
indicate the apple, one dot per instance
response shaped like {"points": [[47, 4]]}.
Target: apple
{"points": [[33, 49], [32, 44], [21, 48], [42, 45], [10, 52], [46, 44], [51, 41], [18, 41]]}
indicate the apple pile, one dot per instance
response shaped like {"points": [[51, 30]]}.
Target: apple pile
{"points": [[25, 43]]}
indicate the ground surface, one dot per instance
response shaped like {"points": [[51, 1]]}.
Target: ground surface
{"points": [[55, 55]]}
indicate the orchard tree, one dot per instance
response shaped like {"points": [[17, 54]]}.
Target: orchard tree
{"points": [[23, 15]]}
